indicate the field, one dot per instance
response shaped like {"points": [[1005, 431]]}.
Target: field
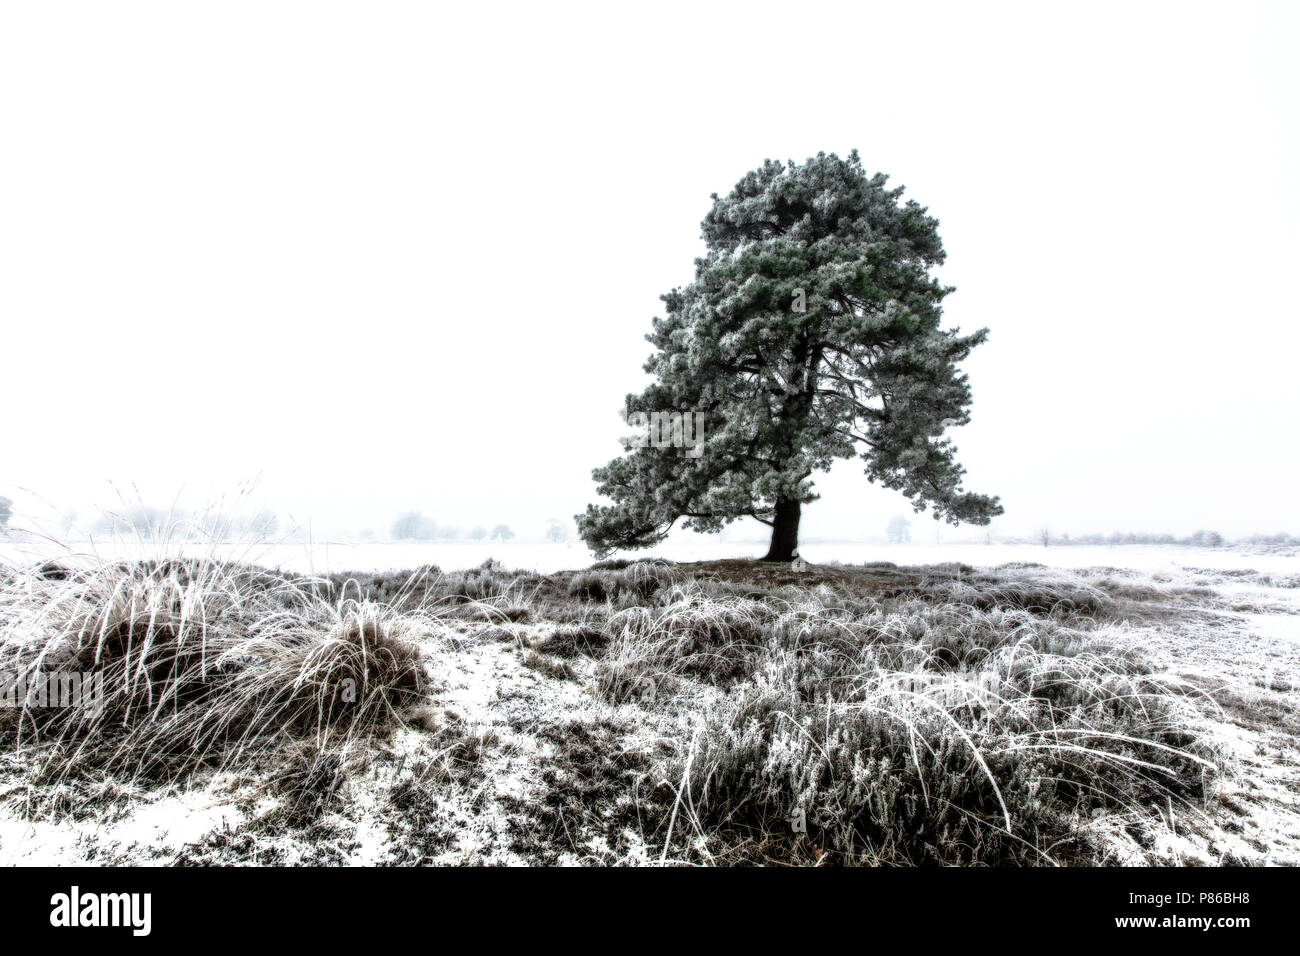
{"points": [[713, 712], [325, 556]]}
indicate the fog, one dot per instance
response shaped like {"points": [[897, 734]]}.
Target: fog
{"points": [[369, 260]]}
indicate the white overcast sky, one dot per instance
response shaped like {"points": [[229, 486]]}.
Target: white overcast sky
{"points": [[393, 256]]}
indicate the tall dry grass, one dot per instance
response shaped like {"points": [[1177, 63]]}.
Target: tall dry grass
{"points": [[956, 728], [1004, 717], [201, 663]]}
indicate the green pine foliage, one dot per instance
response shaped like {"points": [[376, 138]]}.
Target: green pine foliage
{"points": [[812, 332]]}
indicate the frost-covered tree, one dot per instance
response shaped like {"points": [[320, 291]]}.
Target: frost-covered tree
{"points": [[899, 530], [413, 526], [139, 520], [811, 332], [263, 525], [1207, 539], [502, 533]]}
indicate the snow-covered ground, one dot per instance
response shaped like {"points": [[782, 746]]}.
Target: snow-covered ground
{"points": [[329, 556], [1227, 622], [1222, 567]]}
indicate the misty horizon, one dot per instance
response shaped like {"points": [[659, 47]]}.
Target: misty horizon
{"points": [[376, 350]]}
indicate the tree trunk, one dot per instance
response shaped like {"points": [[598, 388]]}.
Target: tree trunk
{"points": [[785, 532]]}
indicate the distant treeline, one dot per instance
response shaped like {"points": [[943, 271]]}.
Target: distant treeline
{"points": [[151, 522], [414, 526], [417, 526], [144, 521], [1200, 539]]}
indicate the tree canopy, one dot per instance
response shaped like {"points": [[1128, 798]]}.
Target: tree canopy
{"points": [[810, 333]]}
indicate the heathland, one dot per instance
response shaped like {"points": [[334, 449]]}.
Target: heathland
{"points": [[650, 712]]}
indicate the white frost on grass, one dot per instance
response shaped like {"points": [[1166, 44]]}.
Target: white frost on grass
{"points": [[147, 833], [1232, 635], [324, 556]]}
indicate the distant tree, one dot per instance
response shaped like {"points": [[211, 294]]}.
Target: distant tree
{"points": [[68, 522], [1045, 536], [210, 524], [502, 533], [813, 331], [142, 521], [557, 532], [1207, 539], [148, 520], [478, 533], [899, 530], [405, 526], [6, 512], [263, 525], [413, 526]]}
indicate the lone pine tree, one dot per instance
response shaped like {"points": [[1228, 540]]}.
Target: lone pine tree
{"points": [[811, 333]]}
